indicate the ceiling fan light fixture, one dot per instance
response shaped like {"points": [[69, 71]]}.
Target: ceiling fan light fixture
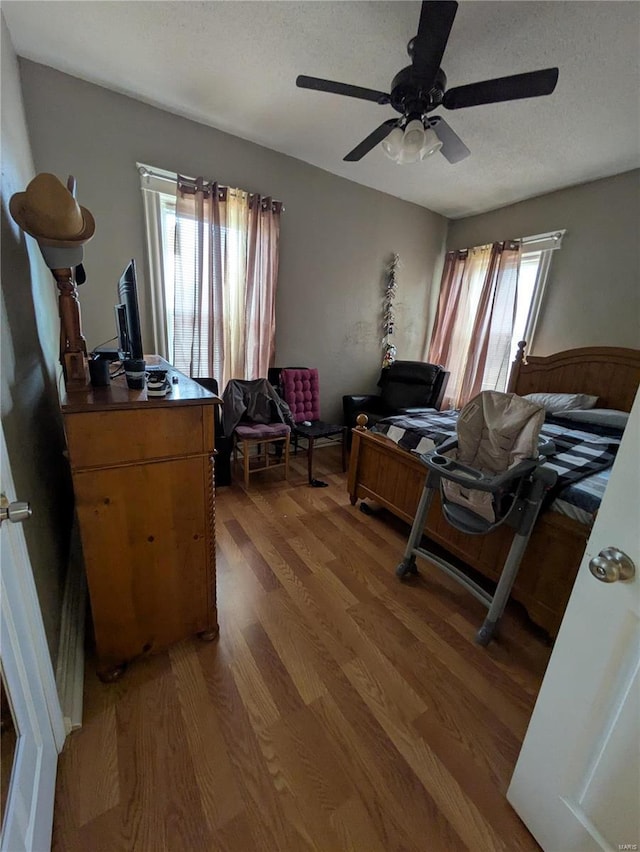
{"points": [[392, 145], [408, 157], [431, 144], [413, 138], [411, 144]]}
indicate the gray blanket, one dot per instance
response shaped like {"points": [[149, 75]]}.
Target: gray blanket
{"points": [[254, 400]]}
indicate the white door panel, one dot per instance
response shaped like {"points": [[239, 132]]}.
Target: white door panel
{"points": [[577, 781], [30, 685]]}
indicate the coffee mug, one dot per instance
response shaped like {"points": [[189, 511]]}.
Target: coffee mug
{"points": [[134, 370], [99, 372], [157, 384]]}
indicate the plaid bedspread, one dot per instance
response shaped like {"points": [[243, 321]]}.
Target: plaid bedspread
{"points": [[579, 453], [585, 495]]}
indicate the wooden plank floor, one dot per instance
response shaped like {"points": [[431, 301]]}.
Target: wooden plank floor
{"points": [[339, 710]]}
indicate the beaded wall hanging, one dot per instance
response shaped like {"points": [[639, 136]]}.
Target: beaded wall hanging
{"points": [[388, 314]]}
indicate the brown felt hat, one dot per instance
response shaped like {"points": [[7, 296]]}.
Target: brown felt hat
{"points": [[48, 212]]}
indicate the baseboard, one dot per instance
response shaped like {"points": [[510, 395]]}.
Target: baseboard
{"points": [[70, 665]]}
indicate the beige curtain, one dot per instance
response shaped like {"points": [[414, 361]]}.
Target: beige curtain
{"points": [[474, 324], [262, 275], [448, 301], [226, 269]]}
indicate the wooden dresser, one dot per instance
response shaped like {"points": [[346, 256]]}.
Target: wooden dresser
{"points": [[143, 476]]}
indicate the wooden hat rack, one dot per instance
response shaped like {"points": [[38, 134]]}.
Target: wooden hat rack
{"points": [[73, 346]]}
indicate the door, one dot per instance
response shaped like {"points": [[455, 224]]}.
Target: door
{"points": [[33, 707], [576, 784]]}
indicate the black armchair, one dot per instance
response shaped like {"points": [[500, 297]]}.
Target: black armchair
{"points": [[406, 387]]}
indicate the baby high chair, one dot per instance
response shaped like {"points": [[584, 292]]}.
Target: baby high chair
{"points": [[490, 475]]}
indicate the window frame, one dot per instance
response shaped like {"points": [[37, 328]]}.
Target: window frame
{"points": [[154, 184], [546, 243]]}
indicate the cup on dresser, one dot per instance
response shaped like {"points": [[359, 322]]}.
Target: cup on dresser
{"points": [[134, 370], [99, 371], [157, 384]]}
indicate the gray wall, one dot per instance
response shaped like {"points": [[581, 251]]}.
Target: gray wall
{"points": [[336, 236], [593, 293], [31, 418]]}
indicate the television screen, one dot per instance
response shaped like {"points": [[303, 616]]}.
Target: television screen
{"points": [[128, 313]]}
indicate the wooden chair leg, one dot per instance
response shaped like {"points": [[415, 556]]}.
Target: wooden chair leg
{"points": [[286, 457], [246, 460]]}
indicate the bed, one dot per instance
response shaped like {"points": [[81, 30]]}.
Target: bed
{"points": [[392, 477]]}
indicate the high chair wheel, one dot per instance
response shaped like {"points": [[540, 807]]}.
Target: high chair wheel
{"points": [[405, 568], [485, 634]]}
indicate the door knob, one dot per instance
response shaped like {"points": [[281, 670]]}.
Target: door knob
{"points": [[611, 565], [15, 512]]}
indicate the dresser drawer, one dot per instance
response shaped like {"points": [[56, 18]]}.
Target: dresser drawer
{"points": [[105, 438]]}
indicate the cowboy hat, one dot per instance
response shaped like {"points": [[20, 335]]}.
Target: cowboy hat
{"points": [[48, 212]]}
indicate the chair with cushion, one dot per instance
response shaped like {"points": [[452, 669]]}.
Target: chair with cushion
{"points": [[254, 416], [301, 392], [406, 387]]}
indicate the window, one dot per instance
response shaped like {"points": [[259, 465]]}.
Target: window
{"points": [[213, 259], [537, 253], [174, 267], [158, 195], [490, 299], [532, 276]]}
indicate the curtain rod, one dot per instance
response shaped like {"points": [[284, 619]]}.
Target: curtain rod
{"points": [[542, 238], [172, 177], [144, 171]]}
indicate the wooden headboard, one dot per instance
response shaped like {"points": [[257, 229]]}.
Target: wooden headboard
{"points": [[611, 373]]}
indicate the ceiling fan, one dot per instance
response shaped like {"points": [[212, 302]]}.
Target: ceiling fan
{"points": [[420, 88]]}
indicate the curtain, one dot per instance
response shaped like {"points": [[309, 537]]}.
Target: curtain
{"points": [[448, 300], [262, 275], [475, 319], [226, 269]]}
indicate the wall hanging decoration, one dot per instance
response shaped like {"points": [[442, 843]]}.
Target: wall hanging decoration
{"points": [[388, 314]]}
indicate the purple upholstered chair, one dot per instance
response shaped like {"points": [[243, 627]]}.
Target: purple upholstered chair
{"points": [[301, 392]]}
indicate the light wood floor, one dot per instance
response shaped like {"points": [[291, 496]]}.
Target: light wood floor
{"points": [[339, 710]]}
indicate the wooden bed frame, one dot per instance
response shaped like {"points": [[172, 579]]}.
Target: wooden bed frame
{"points": [[380, 471]]}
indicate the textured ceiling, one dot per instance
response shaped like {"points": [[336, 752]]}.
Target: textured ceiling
{"points": [[233, 65]]}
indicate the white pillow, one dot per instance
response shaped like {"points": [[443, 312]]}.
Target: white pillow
{"points": [[554, 403], [599, 416]]}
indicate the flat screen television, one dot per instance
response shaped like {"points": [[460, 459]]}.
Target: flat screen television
{"points": [[128, 314]]}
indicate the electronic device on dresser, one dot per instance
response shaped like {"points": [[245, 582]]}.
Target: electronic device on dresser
{"points": [[128, 314], [129, 335]]}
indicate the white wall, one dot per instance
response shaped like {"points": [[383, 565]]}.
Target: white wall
{"points": [[336, 236], [30, 339], [593, 294]]}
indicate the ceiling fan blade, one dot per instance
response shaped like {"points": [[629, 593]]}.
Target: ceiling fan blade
{"points": [[436, 20], [530, 85], [453, 148], [319, 85], [371, 141]]}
